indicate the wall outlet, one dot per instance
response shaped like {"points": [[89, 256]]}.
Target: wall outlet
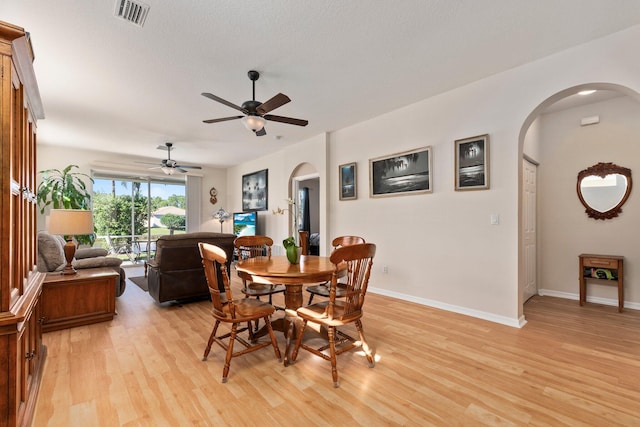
{"points": [[385, 269]]}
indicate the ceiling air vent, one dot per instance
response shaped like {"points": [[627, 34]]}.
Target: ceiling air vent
{"points": [[132, 11]]}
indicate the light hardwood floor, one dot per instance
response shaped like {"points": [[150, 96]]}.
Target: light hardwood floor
{"points": [[569, 365]]}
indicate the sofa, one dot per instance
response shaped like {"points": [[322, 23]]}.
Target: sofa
{"points": [[51, 258], [176, 272]]}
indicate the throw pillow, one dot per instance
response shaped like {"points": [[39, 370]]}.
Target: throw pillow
{"points": [[90, 253], [96, 262], [50, 252]]}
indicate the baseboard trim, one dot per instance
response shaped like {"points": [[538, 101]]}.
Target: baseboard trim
{"points": [[595, 300], [515, 323]]}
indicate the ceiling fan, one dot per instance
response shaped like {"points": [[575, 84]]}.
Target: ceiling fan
{"points": [[168, 165], [255, 112]]}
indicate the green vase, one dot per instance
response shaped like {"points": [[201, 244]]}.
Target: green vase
{"points": [[293, 254]]}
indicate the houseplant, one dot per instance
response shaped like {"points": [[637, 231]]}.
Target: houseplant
{"points": [[291, 244], [64, 189]]}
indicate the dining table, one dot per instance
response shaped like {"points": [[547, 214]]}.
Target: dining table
{"points": [[278, 270]]}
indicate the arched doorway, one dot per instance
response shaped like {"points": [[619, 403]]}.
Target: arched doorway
{"points": [[553, 136], [304, 184]]}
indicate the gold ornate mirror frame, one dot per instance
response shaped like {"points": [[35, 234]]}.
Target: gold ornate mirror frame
{"points": [[602, 170]]}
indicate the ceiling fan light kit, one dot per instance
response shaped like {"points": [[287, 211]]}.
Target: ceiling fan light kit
{"points": [[255, 112], [168, 170], [253, 123], [169, 166]]}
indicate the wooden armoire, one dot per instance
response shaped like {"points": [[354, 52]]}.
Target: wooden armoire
{"points": [[21, 351]]}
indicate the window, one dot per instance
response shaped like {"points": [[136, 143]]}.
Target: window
{"points": [[130, 214]]}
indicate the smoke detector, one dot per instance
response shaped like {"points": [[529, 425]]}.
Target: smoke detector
{"points": [[131, 11]]}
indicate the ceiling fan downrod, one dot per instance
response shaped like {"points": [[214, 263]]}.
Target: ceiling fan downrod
{"points": [[253, 76]]}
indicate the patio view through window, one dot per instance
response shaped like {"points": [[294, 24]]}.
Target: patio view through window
{"points": [[129, 215]]}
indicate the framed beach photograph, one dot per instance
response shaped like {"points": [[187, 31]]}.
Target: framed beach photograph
{"points": [[472, 163], [255, 191], [400, 174], [348, 189]]}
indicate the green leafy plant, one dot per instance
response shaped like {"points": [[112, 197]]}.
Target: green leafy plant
{"points": [[64, 189]]}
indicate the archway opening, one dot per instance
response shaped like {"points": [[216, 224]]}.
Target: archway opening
{"points": [[556, 137]]}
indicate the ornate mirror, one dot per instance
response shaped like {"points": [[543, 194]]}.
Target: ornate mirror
{"points": [[603, 189]]}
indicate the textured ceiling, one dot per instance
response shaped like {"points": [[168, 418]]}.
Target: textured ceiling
{"points": [[109, 85]]}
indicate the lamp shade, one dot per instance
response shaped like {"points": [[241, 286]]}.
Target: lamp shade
{"points": [[253, 123], [221, 215], [70, 222]]}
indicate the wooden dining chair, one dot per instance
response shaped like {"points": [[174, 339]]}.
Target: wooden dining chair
{"points": [[322, 289], [304, 241], [232, 312], [337, 312], [250, 247]]}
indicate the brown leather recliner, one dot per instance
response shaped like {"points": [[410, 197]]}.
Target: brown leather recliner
{"points": [[176, 272]]}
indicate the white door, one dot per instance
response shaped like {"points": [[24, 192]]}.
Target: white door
{"points": [[529, 179]]}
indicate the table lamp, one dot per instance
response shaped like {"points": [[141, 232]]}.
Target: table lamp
{"points": [[69, 223], [221, 215]]}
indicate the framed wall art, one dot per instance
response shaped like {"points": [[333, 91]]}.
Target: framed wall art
{"points": [[472, 163], [255, 191], [402, 173], [348, 189]]}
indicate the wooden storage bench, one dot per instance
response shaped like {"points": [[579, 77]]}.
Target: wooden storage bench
{"points": [[80, 299]]}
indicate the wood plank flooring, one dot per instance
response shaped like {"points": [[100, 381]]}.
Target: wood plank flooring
{"points": [[570, 365]]}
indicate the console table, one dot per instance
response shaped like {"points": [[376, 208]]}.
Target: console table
{"points": [[608, 262], [80, 299]]}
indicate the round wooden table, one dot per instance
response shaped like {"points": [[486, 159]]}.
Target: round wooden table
{"points": [[279, 271]]}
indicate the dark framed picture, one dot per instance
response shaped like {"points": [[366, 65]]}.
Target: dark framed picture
{"points": [[402, 173], [255, 191], [348, 189], [472, 163]]}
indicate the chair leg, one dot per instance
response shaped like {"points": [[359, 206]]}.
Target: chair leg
{"points": [[211, 337], [227, 359], [332, 353], [310, 298], [294, 353], [365, 346], [250, 330], [273, 338]]}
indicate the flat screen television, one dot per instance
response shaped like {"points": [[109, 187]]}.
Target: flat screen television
{"points": [[245, 223]]}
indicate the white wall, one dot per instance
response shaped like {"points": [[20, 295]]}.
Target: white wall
{"points": [[565, 229], [281, 166]]}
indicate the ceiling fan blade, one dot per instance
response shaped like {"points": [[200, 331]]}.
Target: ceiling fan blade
{"points": [[147, 163], [179, 169], [277, 101], [261, 132], [224, 119], [287, 120], [188, 167], [225, 102]]}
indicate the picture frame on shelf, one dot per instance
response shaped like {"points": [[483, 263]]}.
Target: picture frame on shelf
{"points": [[405, 173], [255, 191], [348, 182], [472, 163]]}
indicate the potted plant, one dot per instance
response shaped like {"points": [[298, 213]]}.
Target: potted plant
{"points": [[64, 189], [291, 244]]}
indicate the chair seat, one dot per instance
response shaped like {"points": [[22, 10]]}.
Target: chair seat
{"points": [[323, 290], [259, 289], [317, 313], [246, 309]]}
